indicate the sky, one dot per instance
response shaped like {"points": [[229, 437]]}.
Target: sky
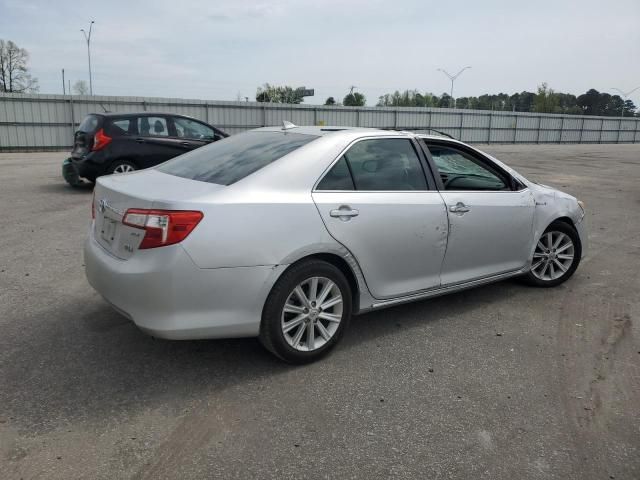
{"points": [[222, 50]]}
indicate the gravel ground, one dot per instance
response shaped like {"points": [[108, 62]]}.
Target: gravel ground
{"points": [[504, 381]]}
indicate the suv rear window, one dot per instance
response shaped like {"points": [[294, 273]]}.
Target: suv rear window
{"points": [[89, 124], [229, 160]]}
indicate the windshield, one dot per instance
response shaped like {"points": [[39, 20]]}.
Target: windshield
{"points": [[227, 161]]}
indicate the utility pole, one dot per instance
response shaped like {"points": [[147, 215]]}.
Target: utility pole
{"points": [[453, 79], [63, 87], [625, 96], [87, 37]]}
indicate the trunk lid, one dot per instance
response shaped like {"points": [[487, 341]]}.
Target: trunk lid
{"points": [[115, 194]]}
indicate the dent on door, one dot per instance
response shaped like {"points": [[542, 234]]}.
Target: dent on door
{"points": [[397, 238], [489, 233]]}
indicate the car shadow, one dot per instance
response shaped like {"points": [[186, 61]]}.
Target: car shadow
{"points": [[65, 188], [76, 361], [370, 326], [82, 359]]}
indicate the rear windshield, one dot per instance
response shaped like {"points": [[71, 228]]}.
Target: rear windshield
{"points": [[227, 161], [89, 124]]}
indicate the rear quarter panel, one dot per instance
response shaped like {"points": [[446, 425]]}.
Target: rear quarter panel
{"points": [[263, 228], [267, 218]]}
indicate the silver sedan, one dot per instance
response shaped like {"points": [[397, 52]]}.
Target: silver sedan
{"points": [[285, 233]]}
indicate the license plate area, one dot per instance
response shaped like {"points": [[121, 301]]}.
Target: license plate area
{"points": [[108, 230]]}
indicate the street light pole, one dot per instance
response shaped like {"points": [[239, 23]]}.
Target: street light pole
{"points": [[453, 79], [625, 96], [87, 37]]}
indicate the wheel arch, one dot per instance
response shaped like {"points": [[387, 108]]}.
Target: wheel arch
{"points": [[354, 279], [546, 215], [567, 221], [564, 219], [342, 265]]}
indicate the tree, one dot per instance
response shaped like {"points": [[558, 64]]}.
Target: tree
{"points": [[408, 98], [589, 102], [330, 101], [354, 99], [14, 74], [595, 103], [522, 102], [445, 101], [613, 105], [629, 108], [80, 88], [567, 103], [278, 94], [546, 100], [463, 102]]}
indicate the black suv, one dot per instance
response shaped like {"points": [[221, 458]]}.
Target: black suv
{"points": [[108, 143]]}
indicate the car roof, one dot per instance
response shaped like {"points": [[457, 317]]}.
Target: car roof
{"points": [[320, 131], [141, 114], [335, 130]]}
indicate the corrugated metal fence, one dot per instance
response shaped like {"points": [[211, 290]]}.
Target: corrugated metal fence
{"points": [[42, 122]]}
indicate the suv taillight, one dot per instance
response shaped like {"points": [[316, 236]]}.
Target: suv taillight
{"points": [[162, 227], [100, 140]]}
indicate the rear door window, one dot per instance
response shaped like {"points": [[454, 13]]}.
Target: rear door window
{"points": [[338, 178], [153, 127], [381, 164], [233, 158]]}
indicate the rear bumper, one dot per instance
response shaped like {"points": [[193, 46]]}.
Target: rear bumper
{"points": [[168, 296], [70, 173], [91, 166]]}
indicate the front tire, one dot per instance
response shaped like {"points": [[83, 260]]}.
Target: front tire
{"points": [[306, 312], [556, 256]]}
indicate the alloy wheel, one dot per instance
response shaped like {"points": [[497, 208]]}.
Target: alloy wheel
{"points": [[124, 168], [312, 314], [553, 256]]}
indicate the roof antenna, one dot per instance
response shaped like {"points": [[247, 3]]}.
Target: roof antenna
{"points": [[288, 125]]}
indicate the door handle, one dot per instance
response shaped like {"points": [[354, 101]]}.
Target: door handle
{"points": [[344, 212], [459, 208], [186, 144], [140, 140]]}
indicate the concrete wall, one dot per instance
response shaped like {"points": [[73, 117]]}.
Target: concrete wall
{"points": [[44, 122]]}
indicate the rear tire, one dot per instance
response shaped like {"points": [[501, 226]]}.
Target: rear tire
{"points": [[306, 312], [556, 256], [122, 166]]}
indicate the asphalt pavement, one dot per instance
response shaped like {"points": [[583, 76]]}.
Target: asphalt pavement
{"points": [[500, 382]]}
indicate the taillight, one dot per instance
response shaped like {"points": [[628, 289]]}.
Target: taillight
{"points": [[100, 140], [162, 227]]}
